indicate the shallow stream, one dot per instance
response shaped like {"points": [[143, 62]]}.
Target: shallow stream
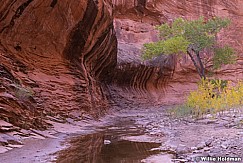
{"points": [[110, 144]]}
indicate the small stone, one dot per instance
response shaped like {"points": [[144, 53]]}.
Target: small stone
{"points": [[155, 149], [15, 146], [193, 148], [106, 142], [196, 151], [201, 145], [209, 142], [224, 146], [206, 149], [211, 121], [240, 133], [179, 160], [5, 124]]}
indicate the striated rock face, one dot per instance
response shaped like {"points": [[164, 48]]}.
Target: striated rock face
{"points": [[53, 56], [57, 56], [134, 21]]}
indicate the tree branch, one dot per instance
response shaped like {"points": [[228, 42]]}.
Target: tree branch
{"points": [[195, 63], [202, 69]]}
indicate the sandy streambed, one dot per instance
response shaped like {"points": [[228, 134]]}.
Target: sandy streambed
{"points": [[135, 135]]}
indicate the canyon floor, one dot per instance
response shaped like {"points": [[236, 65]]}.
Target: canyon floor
{"points": [[144, 134]]}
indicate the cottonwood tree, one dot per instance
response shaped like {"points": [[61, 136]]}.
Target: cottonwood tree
{"points": [[192, 37]]}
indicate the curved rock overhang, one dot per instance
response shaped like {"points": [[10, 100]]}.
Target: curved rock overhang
{"points": [[61, 51], [134, 24]]}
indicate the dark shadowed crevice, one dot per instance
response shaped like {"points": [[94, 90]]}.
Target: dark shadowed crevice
{"points": [[4, 72], [97, 45], [142, 3], [102, 63], [53, 3], [83, 62], [80, 32], [17, 14], [141, 6], [3, 15], [142, 77], [74, 49]]}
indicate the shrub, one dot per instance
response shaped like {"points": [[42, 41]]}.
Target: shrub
{"points": [[212, 96], [23, 93]]}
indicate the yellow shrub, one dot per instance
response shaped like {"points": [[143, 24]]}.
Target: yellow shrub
{"points": [[214, 96]]}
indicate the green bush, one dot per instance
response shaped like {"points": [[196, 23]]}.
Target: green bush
{"points": [[192, 37]]}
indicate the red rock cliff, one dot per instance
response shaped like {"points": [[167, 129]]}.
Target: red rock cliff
{"points": [[53, 56], [134, 21], [56, 56]]}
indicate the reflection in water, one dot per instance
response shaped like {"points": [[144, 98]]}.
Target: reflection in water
{"points": [[91, 149], [83, 149], [127, 152]]}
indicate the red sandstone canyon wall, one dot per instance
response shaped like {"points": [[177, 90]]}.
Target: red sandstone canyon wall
{"points": [[60, 57], [60, 50], [134, 21]]}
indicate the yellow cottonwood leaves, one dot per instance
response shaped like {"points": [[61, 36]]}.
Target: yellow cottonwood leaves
{"points": [[214, 96]]}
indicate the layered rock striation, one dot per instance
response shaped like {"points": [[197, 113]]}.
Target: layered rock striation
{"points": [[62, 58], [54, 56], [134, 21]]}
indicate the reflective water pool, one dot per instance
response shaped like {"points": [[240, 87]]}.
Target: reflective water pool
{"points": [[108, 146]]}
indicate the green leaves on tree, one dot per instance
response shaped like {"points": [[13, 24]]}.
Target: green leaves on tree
{"points": [[224, 55], [191, 37]]}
